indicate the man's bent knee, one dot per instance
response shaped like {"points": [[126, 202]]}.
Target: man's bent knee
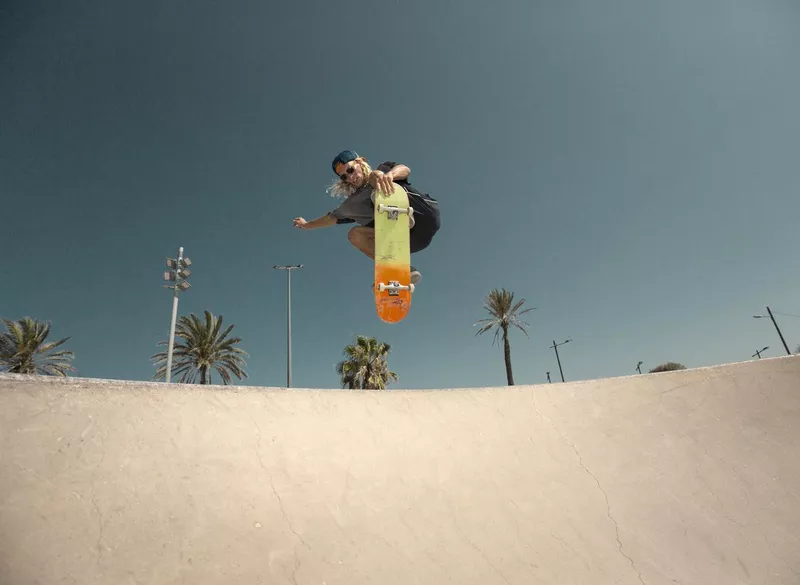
{"points": [[359, 234]]}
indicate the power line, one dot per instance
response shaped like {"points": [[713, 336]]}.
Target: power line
{"points": [[786, 314]]}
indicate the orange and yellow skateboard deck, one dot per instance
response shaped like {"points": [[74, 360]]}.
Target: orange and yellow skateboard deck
{"points": [[393, 286]]}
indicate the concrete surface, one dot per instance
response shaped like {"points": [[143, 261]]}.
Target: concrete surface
{"points": [[687, 477]]}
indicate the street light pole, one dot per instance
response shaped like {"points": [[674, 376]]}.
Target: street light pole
{"points": [[179, 272], [758, 353], [558, 359], [639, 367], [288, 270], [771, 316]]}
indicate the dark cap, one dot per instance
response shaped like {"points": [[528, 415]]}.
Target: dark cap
{"points": [[343, 158]]}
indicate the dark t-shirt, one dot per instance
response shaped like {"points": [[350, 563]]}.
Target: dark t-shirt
{"points": [[358, 207]]}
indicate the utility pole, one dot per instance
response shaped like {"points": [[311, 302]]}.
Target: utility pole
{"points": [[771, 316], [759, 352], [288, 270], [178, 273], [555, 347], [639, 367]]}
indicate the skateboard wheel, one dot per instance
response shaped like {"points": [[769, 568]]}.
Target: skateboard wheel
{"points": [[411, 287]]}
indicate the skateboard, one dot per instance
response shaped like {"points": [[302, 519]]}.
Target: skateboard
{"points": [[392, 286]]}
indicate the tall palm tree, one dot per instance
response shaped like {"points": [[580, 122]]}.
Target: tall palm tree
{"points": [[504, 314], [23, 349], [365, 366], [199, 347]]}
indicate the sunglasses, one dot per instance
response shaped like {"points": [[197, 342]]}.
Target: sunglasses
{"points": [[349, 171]]}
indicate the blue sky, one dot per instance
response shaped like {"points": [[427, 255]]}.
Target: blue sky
{"points": [[629, 168]]}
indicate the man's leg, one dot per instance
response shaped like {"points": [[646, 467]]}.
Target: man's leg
{"points": [[363, 238], [427, 224]]}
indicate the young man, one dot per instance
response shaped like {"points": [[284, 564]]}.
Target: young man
{"points": [[356, 181]]}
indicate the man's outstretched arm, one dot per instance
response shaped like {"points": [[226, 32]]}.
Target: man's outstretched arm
{"points": [[324, 221]]}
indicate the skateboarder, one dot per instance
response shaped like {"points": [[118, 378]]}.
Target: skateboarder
{"points": [[355, 182]]}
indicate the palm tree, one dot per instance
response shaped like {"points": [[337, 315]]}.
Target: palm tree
{"points": [[198, 348], [23, 349], [365, 366], [503, 315]]}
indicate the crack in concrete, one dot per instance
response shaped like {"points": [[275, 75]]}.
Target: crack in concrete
{"points": [[786, 563], [280, 503], [101, 522], [477, 548], [562, 541], [679, 386], [485, 558], [101, 530], [605, 495], [516, 522], [701, 478], [608, 511], [536, 407], [472, 544]]}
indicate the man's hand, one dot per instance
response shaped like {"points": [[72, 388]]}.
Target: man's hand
{"points": [[299, 222], [381, 181]]}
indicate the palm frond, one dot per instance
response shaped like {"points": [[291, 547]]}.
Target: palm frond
{"points": [[365, 364], [23, 349], [504, 313], [201, 349]]}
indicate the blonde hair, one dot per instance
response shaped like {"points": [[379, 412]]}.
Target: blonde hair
{"points": [[341, 189]]}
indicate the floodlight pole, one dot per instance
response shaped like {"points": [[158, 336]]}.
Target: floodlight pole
{"points": [[172, 332], [174, 318], [288, 270], [178, 273]]}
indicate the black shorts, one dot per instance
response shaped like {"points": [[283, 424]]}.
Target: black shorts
{"points": [[426, 221]]}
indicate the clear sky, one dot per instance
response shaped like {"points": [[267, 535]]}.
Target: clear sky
{"points": [[629, 168]]}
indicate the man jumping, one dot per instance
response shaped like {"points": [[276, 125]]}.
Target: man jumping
{"points": [[355, 182]]}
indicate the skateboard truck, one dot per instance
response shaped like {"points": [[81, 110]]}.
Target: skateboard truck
{"points": [[394, 287], [392, 211]]}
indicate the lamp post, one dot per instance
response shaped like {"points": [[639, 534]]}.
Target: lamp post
{"points": [[639, 367], [760, 351], [786, 347], [549, 381], [288, 270], [178, 273], [555, 347]]}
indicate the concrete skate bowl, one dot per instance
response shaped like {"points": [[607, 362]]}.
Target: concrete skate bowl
{"points": [[687, 477]]}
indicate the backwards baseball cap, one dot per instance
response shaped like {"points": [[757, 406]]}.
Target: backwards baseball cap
{"points": [[343, 158]]}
